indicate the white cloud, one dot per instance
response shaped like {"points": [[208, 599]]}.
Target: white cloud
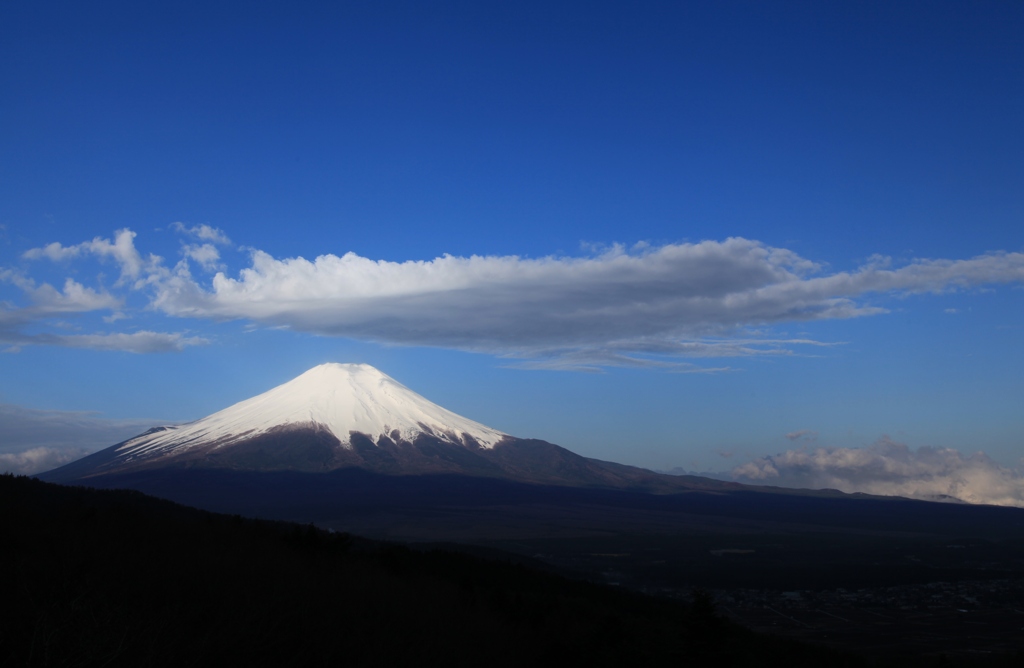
{"points": [[203, 233], [802, 434], [893, 469]]}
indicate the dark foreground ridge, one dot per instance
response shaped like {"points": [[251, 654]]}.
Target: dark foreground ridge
{"points": [[901, 581], [117, 578]]}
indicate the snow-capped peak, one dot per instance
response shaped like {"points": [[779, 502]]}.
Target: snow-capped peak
{"points": [[342, 398]]}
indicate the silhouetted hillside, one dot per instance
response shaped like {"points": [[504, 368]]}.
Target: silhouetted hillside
{"points": [[116, 578]]}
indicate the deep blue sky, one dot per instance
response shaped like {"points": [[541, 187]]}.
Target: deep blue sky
{"points": [[399, 132]]}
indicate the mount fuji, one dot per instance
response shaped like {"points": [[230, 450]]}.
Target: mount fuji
{"points": [[345, 416], [348, 448]]}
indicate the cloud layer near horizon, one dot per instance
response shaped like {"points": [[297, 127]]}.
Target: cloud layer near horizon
{"points": [[34, 441], [891, 469], [644, 306]]}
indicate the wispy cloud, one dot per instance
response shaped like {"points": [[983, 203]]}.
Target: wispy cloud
{"points": [[893, 469], [121, 250], [131, 342], [47, 300], [655, 354], [644, 306], [205, 255], [203, 233], [19, 325], [134, 342]]}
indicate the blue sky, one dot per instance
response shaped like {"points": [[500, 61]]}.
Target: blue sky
{"points": [[866, 160]]}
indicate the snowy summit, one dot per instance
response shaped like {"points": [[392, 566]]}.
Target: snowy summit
{"points": [[341, 398]]}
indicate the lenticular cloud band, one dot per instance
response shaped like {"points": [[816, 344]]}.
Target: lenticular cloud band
{"points": [[505, 304]]}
